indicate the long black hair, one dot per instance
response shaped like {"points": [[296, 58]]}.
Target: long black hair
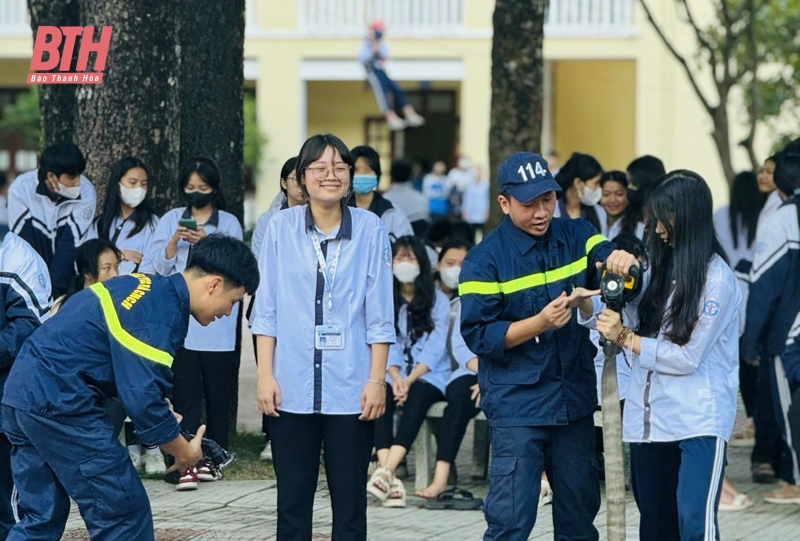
{"points": [[580, 166], [682, 204], [420, 320], [746, 204], [313, 148], [87, 257], [206, 169], [143, 214], [787, 177]]}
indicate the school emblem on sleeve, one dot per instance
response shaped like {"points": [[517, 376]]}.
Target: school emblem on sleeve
{"points": [[387, 256], [711, 308], [88, 214], [41, 280]]}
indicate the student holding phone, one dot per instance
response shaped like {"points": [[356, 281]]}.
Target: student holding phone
{"points": [[206, 365]]}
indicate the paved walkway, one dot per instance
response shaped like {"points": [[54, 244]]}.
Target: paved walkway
{"points": [[245, 510]]}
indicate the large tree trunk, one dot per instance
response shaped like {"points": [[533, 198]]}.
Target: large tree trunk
{"points": [[135, 111], [517, 85], [722, 141], [211, 90], [56, 102]]}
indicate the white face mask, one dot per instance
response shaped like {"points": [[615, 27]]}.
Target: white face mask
{"points": [[591, 197], [449, 276], [69, 192], [406, 272], [132, 196], [463, 163]]}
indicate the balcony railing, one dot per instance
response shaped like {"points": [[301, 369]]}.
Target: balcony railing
{"points": [[589, 18], [14, 18]]}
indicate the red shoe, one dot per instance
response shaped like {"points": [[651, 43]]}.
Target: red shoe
{"points": [[188, 480], [206, 471]]}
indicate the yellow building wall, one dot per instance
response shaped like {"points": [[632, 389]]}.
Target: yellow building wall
{"points": [[13, 73], [595, 110]]}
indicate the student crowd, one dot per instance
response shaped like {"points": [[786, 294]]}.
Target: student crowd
{"points": [[372, 306]]}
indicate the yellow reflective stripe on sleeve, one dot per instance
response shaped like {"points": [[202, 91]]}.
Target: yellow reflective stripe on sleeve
{"points": [[525, 282], [481, 288], [122, 336], [593, 241]]}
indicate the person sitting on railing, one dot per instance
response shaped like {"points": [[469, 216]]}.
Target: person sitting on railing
{"points": [[372, 54]]}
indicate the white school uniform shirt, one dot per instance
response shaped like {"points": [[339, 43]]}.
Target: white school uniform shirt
{"points": [[292, 300], [722, 226], [219, 335], [475, 202], [616, 229], [457, 348], [118, 235], [681, 392], [771, 205]]}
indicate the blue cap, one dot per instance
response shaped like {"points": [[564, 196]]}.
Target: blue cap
{"points": [[524, 176]]}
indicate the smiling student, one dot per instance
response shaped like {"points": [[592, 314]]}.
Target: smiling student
{"points": [[323, 329]]}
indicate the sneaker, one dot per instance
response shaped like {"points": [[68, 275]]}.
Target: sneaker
{"points": [[414, 121], [188, 480], [266, 454], [136, 459], [154, 464], [206, 471], [395, 123]]}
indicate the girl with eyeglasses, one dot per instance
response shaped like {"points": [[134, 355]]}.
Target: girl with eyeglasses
{"points": [[323, 329]]}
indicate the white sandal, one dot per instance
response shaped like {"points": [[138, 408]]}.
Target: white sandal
{"points": [[397, 488], [380, 483]]}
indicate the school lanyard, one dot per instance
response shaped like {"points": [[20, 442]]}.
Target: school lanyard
{"points": [[328, 273]]}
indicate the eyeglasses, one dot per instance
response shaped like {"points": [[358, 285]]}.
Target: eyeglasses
{"points": [[320, 172]]}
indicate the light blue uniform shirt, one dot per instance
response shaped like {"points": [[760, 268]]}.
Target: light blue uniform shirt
{"points": [[430, 349], [681, 392], [219, 335], [291, 300], [458, 348], [121, 229]]}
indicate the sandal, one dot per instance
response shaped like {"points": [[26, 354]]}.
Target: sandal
{"points": [[455, 499], [547, 496], [380, 483], [740, 502], [397, 495], [785, 493], [745, 436], [763, 472]]}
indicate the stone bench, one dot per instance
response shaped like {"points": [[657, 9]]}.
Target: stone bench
{"points": [[423, 448]]}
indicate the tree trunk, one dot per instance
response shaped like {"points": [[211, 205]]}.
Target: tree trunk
{"points": [[56, 102], [722, 140], [212, 101], [135, 111], [211, 91], [517, 85], [612, 446]]}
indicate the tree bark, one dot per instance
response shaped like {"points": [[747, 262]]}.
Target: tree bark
{"points": [[56, 102], [135, 111], [517, 85], [211, 91]]}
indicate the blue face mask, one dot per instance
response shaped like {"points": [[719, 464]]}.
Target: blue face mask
{"points": [[363, 184]]}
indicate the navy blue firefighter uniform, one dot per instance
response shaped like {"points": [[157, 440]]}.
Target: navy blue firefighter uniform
{"points": [[539, 396], [116, 338]]}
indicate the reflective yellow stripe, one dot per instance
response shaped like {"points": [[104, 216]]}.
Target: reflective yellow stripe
{"points": [[532, 280], [122, 336], [481, 288], [593, 241]]}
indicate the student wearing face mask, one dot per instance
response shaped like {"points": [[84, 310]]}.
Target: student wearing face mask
{"points": [[127, 220], [418, 367], [365, 181], [52, 208], [462, 393], [579, 180], [206, 365]]}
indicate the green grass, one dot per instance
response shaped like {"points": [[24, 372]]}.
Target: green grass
{"points": [[247, 466], [247, 446]]}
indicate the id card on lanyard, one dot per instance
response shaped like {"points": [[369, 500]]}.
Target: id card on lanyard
{"points": [[330, 336]]}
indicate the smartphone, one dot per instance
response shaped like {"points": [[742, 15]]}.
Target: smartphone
{"points": [[188, 223]]}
